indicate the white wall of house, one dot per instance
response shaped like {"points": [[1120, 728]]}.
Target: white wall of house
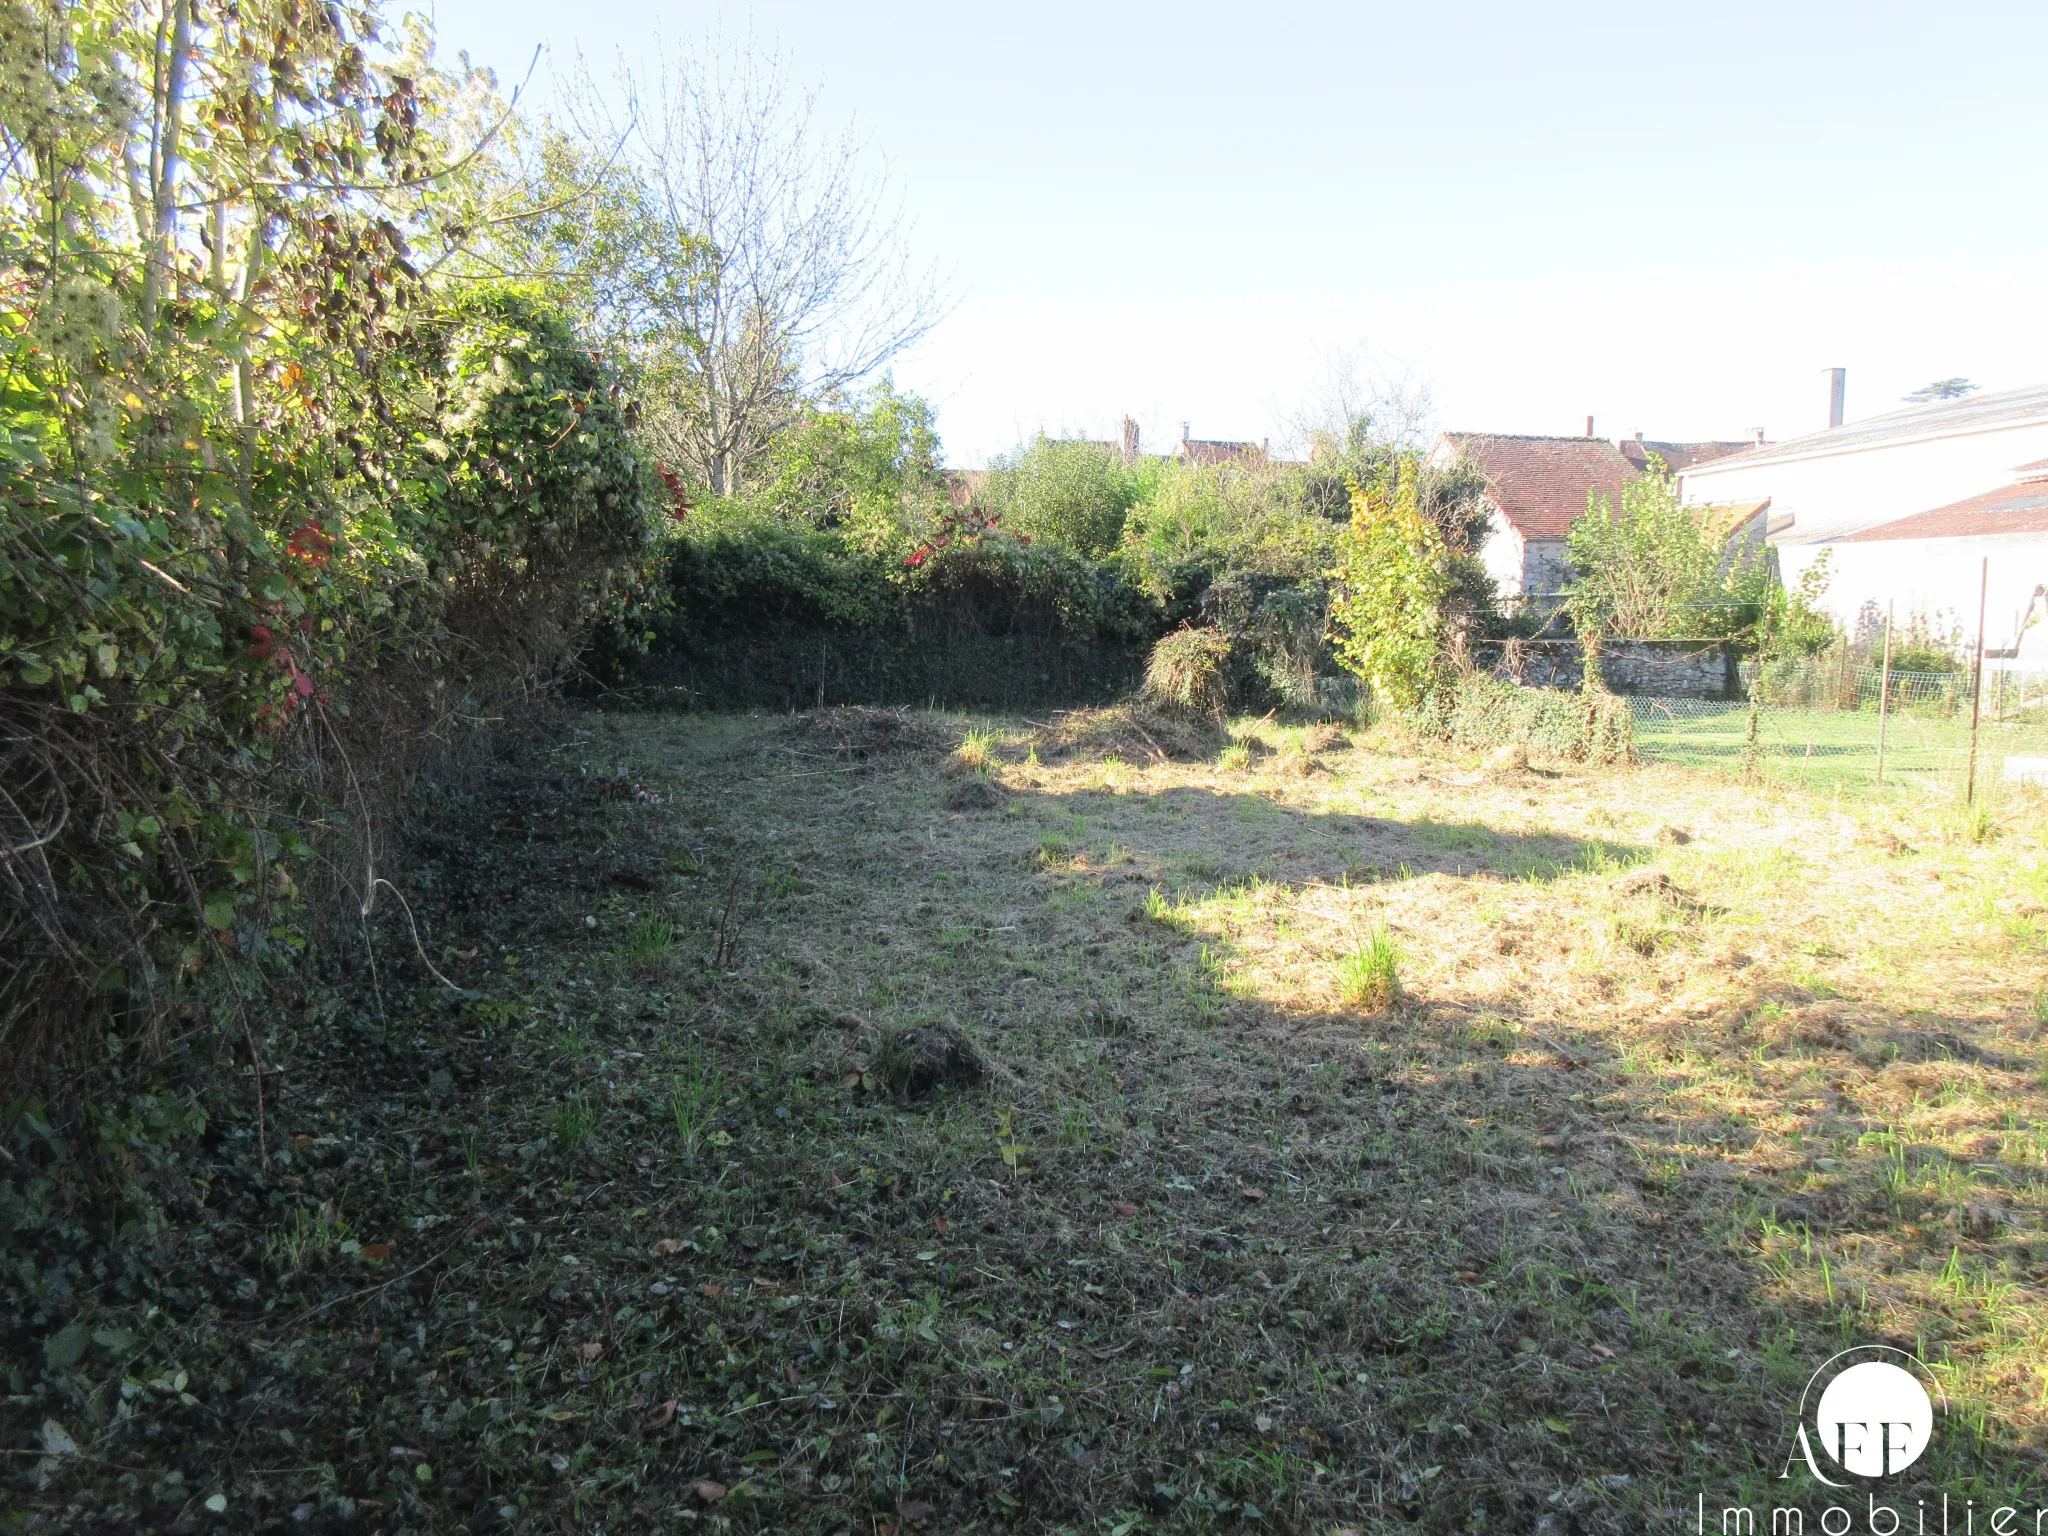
{"points": [[1501, 554], [1934, 582], [1830, 493], [1519, 566]]}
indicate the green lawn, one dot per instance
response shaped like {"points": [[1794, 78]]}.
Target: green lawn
{"points": [[1830, 749]]}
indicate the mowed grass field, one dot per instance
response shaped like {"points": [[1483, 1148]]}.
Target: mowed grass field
{"points": [[1681, 1087], [1835, 751]]}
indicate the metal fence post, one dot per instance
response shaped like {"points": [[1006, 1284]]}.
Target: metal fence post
{"points": [[1977, 683], [1884, 691]]}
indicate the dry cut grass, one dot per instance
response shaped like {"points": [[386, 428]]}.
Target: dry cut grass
{"points": [[881, 1120]]}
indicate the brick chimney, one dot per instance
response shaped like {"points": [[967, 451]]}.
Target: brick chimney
{"points": [[1837, 382], [1589, 426]]}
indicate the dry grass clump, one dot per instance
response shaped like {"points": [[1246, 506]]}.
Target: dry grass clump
{"points": [[1132, 731], [856, 733], [1188, 673], [974, 794], [917, 1063]]}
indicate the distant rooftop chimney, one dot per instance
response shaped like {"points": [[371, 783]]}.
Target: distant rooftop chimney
{"points": [[1756, 436], [1837, 379], [1639, 434], [1128, 441], [1589, 426], [1184, 433]]}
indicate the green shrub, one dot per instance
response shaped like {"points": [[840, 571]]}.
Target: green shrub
{"points": [[1481, 713], [1394, 576], [1189, 672], [1066, 493]]}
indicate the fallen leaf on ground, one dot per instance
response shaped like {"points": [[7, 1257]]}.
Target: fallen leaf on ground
{"points": [[942, 1224], [663, 1415], [1469, 1276], [714, 1291], [1252, 1193], [1124, 1208], [589, 1352], [669, 1245], [708, 1491], [376, 1251]]}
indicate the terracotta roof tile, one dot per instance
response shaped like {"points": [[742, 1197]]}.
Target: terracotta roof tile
{"points": [[1199, 450], [2010, 509], [1677, 456], [1540, 484]]}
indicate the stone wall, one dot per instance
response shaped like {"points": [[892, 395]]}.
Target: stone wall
{"points": [[1669, 669]]}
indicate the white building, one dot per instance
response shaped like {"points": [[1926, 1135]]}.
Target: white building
{"points": [[1910, 504]]}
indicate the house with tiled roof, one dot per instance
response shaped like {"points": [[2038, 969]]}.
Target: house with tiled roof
{"points": [[1908, 507], [1537, 487], [1214, 451]]}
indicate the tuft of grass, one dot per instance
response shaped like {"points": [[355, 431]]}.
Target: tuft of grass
{"points": [[650, 942], [1370, 976], [313, 1234], [575, 1121], [977, 751], [1235, 758], [694, 1101]]}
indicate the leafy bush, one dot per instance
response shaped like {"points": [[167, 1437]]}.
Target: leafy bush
{"points": [[1481, 713], [1654, 569], [1189, 672], [1394, 577], [1065, 492]]}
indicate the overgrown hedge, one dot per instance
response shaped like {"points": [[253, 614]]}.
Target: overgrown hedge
{"points": [[216, 674], [770, 615], [1481, 713]]}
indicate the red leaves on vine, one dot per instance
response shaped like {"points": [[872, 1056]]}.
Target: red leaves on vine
{"points": [[312, 544], [678, 498], [963, 526]]}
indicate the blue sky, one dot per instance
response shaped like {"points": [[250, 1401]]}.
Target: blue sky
{"points": [[1671, 218]]}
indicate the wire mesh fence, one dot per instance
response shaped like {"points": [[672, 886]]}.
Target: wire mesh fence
{"points": [[1839, 731]]}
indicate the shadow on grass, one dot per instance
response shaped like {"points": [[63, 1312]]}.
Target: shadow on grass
{"points": [[1183, 839]]}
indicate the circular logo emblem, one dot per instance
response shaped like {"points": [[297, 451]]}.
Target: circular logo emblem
{"points": [[1874, 1416]]}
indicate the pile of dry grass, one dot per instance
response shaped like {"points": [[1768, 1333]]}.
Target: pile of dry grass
{"points": [[857, 734], [1133, 731]]}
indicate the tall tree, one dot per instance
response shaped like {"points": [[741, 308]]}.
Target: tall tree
{"points": [[761, 261]]}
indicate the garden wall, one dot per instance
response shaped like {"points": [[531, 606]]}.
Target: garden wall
{"points": [[1669, 669]]}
